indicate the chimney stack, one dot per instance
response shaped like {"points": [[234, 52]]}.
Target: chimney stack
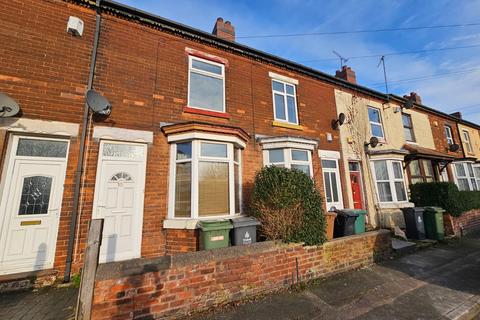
{"points": [[457, 114], [224, 30], [346, 74], [413, 96]]}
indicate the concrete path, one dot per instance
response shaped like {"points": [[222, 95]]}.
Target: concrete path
{"points": [[437, 283], [44, 304]]}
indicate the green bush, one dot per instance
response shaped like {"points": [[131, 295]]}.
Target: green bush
{"points": [[445, 195], [288, 205]]}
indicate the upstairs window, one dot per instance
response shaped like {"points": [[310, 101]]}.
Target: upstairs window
{"points": [[466, 141], [408, 127], [206, 85], [449, 135], [284, 102], [376, 125]]}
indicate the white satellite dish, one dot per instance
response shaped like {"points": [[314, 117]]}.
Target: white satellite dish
{"points": [[98, 103], [8, 106]]}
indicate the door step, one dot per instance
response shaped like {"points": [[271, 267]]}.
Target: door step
{"points": [[402, 247], [27, 280]]}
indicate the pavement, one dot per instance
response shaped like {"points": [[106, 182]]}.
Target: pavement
{"points": [[442, 282], [44, 304]]}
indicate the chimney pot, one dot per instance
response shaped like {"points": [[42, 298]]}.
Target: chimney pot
{"points": [[457, 114], [224, 30], [346, 74], [413, 96]]}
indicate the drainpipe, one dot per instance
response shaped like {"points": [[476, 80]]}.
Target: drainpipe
{"points": [[81, 157]]}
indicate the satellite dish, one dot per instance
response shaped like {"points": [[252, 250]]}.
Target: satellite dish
{"points": [[98, 103], [8, 106], [338, 122], [373, 142], [453, 147], [408, 104]]}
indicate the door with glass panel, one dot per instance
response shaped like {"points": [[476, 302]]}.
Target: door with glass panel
{"points": [[119, 193], [31, 202], [331, 183]]}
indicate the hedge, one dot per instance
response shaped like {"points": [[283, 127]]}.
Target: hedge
{"points": [[445, 195], [288, 205]]}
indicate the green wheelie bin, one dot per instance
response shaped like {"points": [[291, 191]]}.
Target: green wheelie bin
{"points": [[433, 219], [214, 234]]}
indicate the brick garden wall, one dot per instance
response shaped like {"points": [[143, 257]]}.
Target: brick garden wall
{"points": [[466, 223], [178, 285]]}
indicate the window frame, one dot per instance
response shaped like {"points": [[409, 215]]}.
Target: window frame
{"points": [[195, 160], [287, 158], [208, 74], [472, 185], [423, 172], [467, 141], [383, 138], [391, 180], [285, 101], [409, 128], [449, 131]]}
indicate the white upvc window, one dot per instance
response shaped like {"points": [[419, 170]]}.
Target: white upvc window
{"points": [[284, 101], [205, 179], [466, 140], [332, 184], [389, 180], [476, 169], [206, 84], [465, 176], [449, 135], [376, 126], [290, 158]]}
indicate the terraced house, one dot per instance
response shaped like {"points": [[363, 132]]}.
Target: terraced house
{"points": [[193, 116]]}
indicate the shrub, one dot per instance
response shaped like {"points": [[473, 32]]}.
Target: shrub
{"points": [[288, 205], [445, 195]]}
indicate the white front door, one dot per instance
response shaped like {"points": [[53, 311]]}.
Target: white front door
{"points": [[119, 194], [30, 204], [331, 184]]}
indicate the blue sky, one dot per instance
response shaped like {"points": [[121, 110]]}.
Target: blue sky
{"points": [[449, 92]]}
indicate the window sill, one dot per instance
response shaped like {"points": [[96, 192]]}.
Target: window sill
{"points": [[287, 125], [192, 224], [395, 205], [203, 112]]}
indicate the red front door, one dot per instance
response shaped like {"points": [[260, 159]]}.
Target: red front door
{"points": [[356, 183]]}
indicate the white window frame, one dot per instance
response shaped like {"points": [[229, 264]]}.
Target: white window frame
{"points": [[196, 158], [285, 95], [472, 185], [287, 158], [376, 123], [337, 204], [411, 128], [208, 74], [476, 167], [467, 141], [391, 180], [449, 135]]}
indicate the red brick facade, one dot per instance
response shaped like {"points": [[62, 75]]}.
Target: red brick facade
{"points": [[201, 280]]}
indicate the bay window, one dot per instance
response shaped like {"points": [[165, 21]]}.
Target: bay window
{"points": [[465, 176], [206, 179], [389, 180], [290, 158]]}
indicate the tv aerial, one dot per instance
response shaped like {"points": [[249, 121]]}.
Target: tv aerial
{"points": [[343, 60], [8, 106]]}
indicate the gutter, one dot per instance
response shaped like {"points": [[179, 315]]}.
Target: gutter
{"points": [[81, 156]]}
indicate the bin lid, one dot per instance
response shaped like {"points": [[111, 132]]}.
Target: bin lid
{"points": [[347, 213], [410, 210], [435, 209], [244, 222], [357, 211], [211, 225]]}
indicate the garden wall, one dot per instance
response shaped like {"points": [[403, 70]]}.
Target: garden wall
{"points": [[177, 285], [466, 223]]}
